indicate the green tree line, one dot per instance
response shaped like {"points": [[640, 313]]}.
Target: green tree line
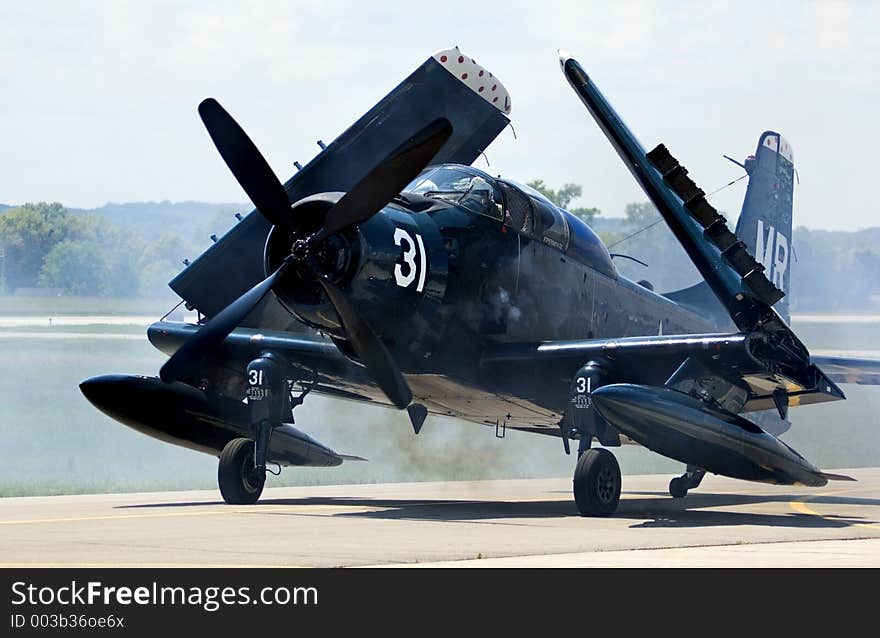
{"points": [[133, 250], [830, 270], [45, 245]]}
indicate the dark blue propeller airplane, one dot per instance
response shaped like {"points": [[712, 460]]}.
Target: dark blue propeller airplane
{"points": [[390, 271]]}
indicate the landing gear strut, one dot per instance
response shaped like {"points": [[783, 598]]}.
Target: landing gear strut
{"points": [[679, 486], [241, 473], [597, 483]]}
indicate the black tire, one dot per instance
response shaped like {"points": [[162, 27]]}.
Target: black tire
{"points": [[597, 483], [235, 474], [678, 487]]}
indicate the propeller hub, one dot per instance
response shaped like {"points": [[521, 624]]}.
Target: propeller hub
{"points": [[312, 256], [300, 250]]}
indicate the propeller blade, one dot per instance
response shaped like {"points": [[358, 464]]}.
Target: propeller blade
{"points": [[370, 350], [246, 162], [217, 329], [386, 180]]}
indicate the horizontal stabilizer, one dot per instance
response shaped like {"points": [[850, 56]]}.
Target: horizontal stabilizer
{"points": [[846, 369], [702, 300]]}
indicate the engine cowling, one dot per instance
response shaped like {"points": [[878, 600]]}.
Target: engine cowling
{"points": [[338, 258], [393, 266]]}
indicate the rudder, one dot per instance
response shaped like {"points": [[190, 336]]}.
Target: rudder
{"points": [[765, 222]]}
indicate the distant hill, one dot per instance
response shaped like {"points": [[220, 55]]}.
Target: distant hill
{"points": [[192, 222], [830, 270]]}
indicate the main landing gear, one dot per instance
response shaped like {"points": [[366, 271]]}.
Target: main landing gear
{"points": [[241, 473], [679, 486], [240, 481], [596, 482]]}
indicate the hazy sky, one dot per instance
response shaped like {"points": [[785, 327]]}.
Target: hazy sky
{"points": [[98, 99]]}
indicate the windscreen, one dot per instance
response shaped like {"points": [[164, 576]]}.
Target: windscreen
{"points": [[457, 186]]}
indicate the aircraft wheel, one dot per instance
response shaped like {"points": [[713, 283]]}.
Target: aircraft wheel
{"points": [[239, 483], [678, 487], [597, 483]]}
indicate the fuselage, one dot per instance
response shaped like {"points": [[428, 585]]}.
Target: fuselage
{"points": [[462, 261], [501, 264]]}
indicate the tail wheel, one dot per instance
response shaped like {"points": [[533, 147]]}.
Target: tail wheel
{"points": [[597, 483], [678, 487], [240, 483]]}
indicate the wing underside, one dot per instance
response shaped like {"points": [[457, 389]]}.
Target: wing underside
{"points": [[734, 359], [220, 274]]}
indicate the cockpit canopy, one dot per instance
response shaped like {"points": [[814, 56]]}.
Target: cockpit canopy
{"points": [[540, 217], [519, 207], [463, 186]]}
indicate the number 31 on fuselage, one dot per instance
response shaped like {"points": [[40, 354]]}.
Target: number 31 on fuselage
{"points": [[406, 270]]}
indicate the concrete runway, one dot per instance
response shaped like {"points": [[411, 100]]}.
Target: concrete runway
{"points": [[509, 523]]}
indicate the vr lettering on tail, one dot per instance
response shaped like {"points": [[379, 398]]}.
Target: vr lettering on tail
{"points": [[772, 251]]}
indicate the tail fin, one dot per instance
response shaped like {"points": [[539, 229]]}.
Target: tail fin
{"points": [[765, 222]]}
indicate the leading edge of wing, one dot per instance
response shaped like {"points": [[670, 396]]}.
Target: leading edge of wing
{"points": [[725, 282], [585, 349], [654, 358], [246, 343]]}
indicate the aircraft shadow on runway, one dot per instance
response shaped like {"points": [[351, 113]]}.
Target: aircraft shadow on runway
{"points": [[649, 509]]}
